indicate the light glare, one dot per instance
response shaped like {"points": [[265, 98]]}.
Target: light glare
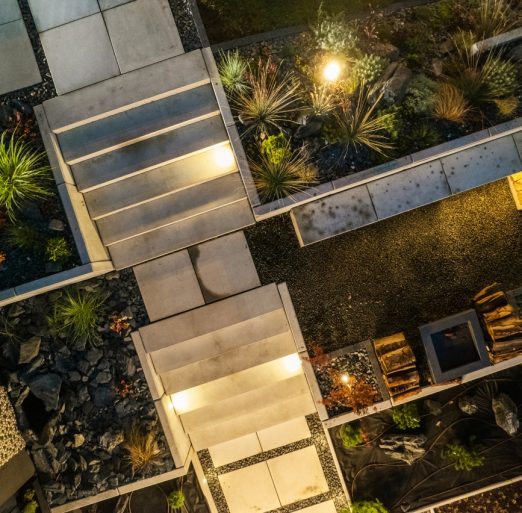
{"points": [[332, 71]]}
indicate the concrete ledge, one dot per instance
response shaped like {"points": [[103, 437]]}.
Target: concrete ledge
{"points": [[54, 281], [87, 501], [153, 380], [500, 40], [292, 317]]}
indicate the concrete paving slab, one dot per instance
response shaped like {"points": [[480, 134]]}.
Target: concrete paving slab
{"points": [[79, 53], [482, 164], [9, 11], [224, 267], [334, 215], [235, 450], [168, 285], [323, 507], [284, 434], [18, 67], [142, 33], [185, 172], [409, 189], [109, 4], [250, 490], [298, 475], [50, 14]]}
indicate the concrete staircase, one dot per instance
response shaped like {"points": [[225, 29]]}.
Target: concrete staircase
{"points": [[150, 153], [230, 367]]}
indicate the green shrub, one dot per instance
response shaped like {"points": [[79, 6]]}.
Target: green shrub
{"points": [[351, 435], [176, 499], [369, 68], [270, 102], [24, 237], [283, 177], [78, 314], [333, 34], [406, 416], [462, 457], [420, 96], [233, 70], [374, 506], [58, 249], [421, 136], [276, 148], [359, 123], [23, 174]]}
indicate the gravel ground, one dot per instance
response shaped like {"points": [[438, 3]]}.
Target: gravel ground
{"points": [[501, 500], [397, 274]]}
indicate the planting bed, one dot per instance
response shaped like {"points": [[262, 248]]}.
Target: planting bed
{"points": [[76, 407], [461, 415], [400, 83]]}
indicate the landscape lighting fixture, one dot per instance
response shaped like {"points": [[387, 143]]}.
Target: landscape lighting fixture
{"points": [[332, 71]]}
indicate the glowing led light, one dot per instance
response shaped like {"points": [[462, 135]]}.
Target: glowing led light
{"points": [[224, 157], [292, 362], [180, 402], [332, 71], [345, 378]]}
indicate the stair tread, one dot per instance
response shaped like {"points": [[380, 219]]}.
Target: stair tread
{"points": [[188, 232], [149, 153], [137, 122], [143, 187], [172, 208]]}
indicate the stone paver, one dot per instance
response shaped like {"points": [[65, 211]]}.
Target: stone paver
{"points": [[168, 285], [235, 450], [109, 4], [48, 14], [298, 475], [18, 67], [284, 434], [142, 33], [224, 267], [79, 53], [482, 164], [334, 215], [250, 490], [412, 188], [9, 11]]}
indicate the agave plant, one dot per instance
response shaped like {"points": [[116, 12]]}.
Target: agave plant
{"points": [[359, 122], [270, 102], [23, 174], [288, 174], [233, 71]]}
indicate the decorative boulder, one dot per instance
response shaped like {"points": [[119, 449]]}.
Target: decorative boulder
{"points": [[47, 388], [407, 448], [29, 349], [468, 405], [506, 414]]}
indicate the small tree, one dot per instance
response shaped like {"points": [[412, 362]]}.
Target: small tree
{"points": [[349, 391]]}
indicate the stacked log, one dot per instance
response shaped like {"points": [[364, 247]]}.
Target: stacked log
{"points": [[503, 323], [398, 365]]}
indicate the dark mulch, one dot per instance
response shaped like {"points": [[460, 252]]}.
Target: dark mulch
{"points": [[397, 274]]}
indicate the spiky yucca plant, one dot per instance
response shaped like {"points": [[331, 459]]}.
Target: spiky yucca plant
{"points": [[281, 177], [23, 174], [359, 123], [493, 17], [270, 102], [233, 71], [450, 104], [321, 101]]}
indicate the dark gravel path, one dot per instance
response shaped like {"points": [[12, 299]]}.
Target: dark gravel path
{"points": [[399, 273]]}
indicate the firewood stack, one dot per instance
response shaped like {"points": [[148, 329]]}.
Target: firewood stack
{"points": [[398, 365], [502, 321]]}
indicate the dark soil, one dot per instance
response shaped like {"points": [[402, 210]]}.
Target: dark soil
{"points": [[370, 473], [507, 499], [397, 274]]}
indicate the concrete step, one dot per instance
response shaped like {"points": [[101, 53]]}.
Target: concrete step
{"points": [[220, 341], [150, 153], [159, 181], [239, 383], [125, 91], [204, 321], [236, 360], [123, 128], [246, 403], [173, 208], [272, 414], [188, 232]]}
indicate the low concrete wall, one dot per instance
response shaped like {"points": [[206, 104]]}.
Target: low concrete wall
{"points": [[93, 255]]}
